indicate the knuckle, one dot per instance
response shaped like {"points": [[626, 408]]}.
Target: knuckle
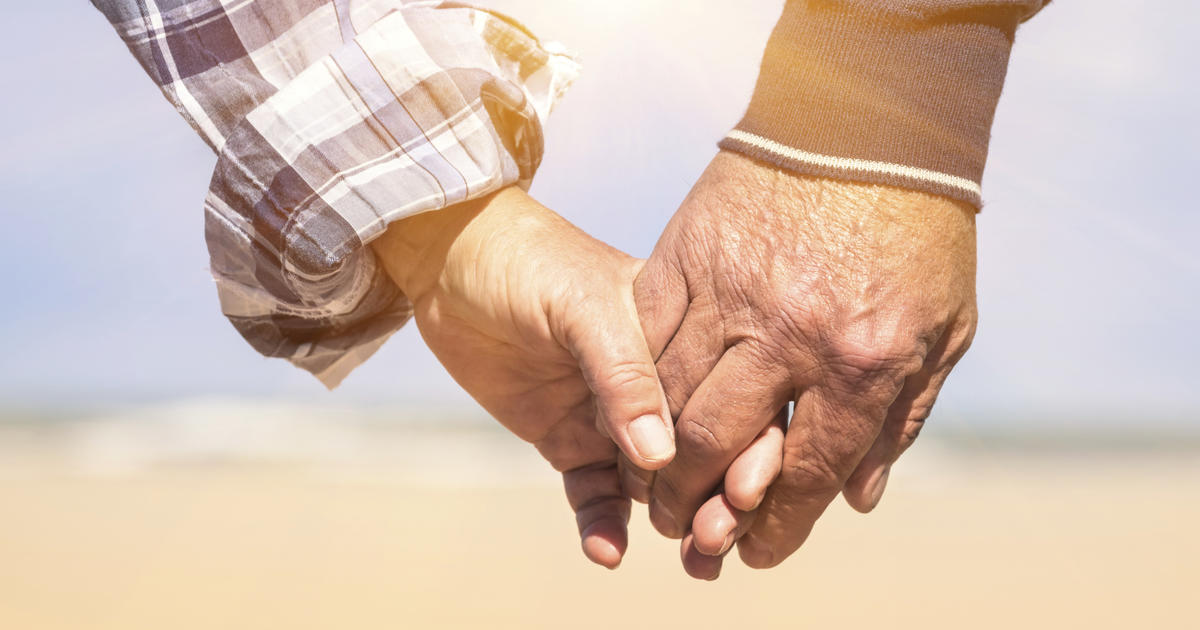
{"points": [[696, 437], [920, 411], [877, 358], [912, 430], [917, 409], [602, 508], [813, 477], [965, 338], [590, 484], [866, 355], [621, 375]]}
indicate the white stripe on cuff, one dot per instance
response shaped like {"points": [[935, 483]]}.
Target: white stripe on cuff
{"points": [[852, 164]]}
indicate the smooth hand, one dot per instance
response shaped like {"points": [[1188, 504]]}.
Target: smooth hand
{"points": [[854, 301], [536, 320]]}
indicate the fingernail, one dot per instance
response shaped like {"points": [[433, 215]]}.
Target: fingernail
{"points": [[727, 544], [650, 438], [879, 486]]}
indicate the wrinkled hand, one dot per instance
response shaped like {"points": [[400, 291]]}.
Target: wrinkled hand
{"points": [[536, 320], [854, 301]]}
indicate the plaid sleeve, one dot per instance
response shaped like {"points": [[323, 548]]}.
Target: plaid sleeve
{"points": [[330, 121]]}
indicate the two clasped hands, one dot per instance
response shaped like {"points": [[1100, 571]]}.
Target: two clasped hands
{"points": [[669, 380]]}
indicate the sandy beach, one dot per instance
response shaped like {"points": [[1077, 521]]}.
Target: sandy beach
{"points": [[386, 532]]}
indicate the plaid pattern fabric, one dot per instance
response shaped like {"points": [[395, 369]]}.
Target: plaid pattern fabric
{"points": [[331, 119]]}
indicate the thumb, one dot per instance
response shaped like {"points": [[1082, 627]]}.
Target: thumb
{"points": [[605, 336]]}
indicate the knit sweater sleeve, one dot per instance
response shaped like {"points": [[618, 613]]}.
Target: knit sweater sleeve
{"points": [[897, 92]]}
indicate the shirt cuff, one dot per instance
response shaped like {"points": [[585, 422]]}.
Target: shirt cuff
{"points": [[897, 92], [427, 108]]}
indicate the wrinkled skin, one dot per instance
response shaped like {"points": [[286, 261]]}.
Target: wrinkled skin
{"points": [[536, 320], [853, 301]]}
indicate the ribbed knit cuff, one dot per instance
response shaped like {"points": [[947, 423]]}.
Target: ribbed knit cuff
{"points": [[877, 93]]}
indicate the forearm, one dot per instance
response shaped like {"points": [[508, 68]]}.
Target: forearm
{"points": [[898, 92]]}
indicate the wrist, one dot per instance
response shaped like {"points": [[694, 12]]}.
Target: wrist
{"points": [[416, 250], [916, 219]]}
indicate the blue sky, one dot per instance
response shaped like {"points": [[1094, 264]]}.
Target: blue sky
{"points": [[1088, 245]]}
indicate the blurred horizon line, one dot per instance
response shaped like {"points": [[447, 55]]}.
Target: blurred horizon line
{"points": [[1046, 429]]}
